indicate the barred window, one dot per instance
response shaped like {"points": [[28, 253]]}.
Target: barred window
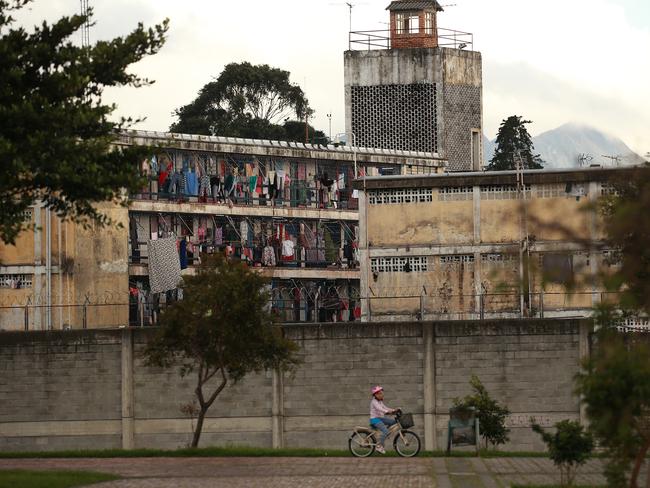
{"points": [[400, 195], [399, 264], [499, 259], [451, 259], [455, 193], [26, 215], [550, 191], [608, 189], [612, 257], [16, 280], [634, 324], [503, 192]]}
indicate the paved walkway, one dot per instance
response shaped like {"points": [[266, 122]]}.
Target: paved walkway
{"points": [[317, 472]]}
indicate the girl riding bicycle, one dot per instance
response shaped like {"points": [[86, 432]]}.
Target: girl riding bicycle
{"points": [[378, 419]]}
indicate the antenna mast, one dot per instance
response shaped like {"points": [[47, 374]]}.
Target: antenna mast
{"points": [[85, 28]]}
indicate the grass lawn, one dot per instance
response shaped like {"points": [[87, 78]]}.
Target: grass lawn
{"points": [[240, 451], [14, 478]]}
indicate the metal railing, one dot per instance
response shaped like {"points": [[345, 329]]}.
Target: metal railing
{"points": [[382, 39]]}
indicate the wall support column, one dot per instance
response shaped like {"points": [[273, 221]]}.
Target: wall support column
{"points": [[584, 348], [429, 378], [277, 409], [128, 431]]}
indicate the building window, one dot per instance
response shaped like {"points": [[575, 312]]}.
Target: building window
{"points": [[16, 280], [607, 189], [413, 24], [428, 23], [499, 259], [502, 192], [399, 196], [455, 193], [397, 265], [399, 20], [452, 259], [26, 216]]}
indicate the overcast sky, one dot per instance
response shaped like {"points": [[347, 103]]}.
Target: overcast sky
{"points": [[552, 61]]}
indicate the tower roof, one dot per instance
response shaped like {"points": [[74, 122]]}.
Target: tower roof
{"points": [[414, 5]]}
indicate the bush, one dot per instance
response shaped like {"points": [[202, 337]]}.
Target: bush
{"points": [[569, 447], [491, 415]]}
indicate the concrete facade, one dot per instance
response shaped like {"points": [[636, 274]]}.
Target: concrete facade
{"points": [[449, 246], [417, 98], [42, 290], [91, 389]]}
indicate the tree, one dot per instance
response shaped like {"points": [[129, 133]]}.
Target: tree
{"points": [[254, 101], [55, 133], [615, 385], [569, 447], [626, 220], [220, 332], [513, 141], [491, 415]]}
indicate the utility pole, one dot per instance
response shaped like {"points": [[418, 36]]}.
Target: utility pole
{"points": [[85, 28], [329, 117]]}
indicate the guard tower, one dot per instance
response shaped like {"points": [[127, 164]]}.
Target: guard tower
{"points": [[416, 87]]}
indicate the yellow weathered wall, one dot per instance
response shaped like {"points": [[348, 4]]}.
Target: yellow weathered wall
{"points": [[420, 223]]}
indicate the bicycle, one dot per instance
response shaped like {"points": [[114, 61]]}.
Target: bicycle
{"points": [[364, 440]]}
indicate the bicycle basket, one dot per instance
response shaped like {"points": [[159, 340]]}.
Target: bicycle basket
{"points": [[406, 421]]}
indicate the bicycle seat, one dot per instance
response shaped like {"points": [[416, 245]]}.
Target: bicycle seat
{"points": [[365, 430]]}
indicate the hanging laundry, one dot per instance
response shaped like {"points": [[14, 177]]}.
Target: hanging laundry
{"points": [[218, 236], [182, 252], [192, 184], [268, 256], [287, 248], [243, 232], [164, 265]]}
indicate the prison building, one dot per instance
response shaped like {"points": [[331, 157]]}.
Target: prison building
{"points": [[286, 209], [480, 245]]}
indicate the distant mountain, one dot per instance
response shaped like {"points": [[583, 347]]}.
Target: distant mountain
{"points": [[561, 147]]}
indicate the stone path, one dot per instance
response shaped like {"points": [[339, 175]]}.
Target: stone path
{"points": [[317, 472]]}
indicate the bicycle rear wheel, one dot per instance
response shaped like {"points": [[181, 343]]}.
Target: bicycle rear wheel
{"points": [[361, 444], [407, 444]]}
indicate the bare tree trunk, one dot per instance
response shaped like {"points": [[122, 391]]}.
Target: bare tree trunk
{"points": [[199, 427], [637, 466]]}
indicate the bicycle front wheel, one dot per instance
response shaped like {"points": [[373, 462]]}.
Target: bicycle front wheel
{"points": [[361, 444], [407, 443]]}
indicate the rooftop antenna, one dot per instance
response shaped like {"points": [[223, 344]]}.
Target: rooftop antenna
{"points": [[584, 159], [350, 6], [616, 160], [85, 28]]}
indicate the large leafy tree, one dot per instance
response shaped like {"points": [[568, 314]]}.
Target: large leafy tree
{"points": [[220, 332], [615, 385], [248, 100], [514, 142], [626, 212], [55, 133]]}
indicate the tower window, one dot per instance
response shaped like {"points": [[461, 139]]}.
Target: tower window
{"points": [[407, 23], [413, 24], [428, 22]]}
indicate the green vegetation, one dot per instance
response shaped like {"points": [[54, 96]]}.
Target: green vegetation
{"points": [[569, 447], [491, 415], [513, 141], [56, 135], [14, 478], [255, 101], [220, 332]]}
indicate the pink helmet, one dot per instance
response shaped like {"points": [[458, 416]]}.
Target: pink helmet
{"points": [[377, 389]]}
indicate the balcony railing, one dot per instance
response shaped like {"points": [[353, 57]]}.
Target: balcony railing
{"points": [[381, 39]]}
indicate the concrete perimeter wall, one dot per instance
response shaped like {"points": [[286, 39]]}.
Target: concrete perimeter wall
{"points": [[91, 389]]}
